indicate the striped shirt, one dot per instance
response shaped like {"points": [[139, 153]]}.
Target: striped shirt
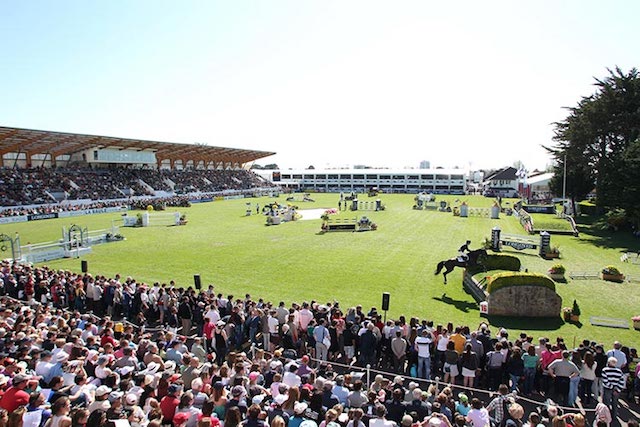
{"points": [[613, 378]]}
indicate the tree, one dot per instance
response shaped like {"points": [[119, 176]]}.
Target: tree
{"points": [[594, 138], [310, 167]]}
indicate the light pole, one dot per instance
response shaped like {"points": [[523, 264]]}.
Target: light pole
{"points": [[564, 179]]}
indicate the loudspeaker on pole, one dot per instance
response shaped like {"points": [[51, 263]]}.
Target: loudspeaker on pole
{"points": [[84, 266], [385, 301], [196, 281]]}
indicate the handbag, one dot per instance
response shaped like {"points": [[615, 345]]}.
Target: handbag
{"points": [[326, 341]]}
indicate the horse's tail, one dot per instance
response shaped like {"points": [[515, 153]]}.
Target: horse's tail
{"points": [[439, 268]]}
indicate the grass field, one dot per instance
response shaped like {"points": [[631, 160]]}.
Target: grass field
{"points": [[293, 262]]}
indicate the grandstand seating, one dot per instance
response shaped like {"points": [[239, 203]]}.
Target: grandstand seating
{"points": [[22, 187]]}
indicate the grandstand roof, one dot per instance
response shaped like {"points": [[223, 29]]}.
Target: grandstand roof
{"points": [[30, 141]]}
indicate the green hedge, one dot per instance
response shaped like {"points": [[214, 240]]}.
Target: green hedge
{"points": [[502, 262], [509, 278]]}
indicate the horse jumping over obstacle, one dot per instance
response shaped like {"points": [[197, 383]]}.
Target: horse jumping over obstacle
{"points": [[450, 264]]}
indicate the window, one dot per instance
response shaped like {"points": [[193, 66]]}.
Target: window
{"points": [[387, 177], [345, 176], [413, 177], [458, 177], [428, 177], [321, 176], [333, 176], [308, 177], [297, 176], [358, 176], [444, 177]]}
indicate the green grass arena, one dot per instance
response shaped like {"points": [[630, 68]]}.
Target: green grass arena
{"points": [[294, 262]]}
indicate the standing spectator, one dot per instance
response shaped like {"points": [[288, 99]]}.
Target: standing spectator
{"points": [[530, 362], [562, 370], [450, 363], [612, 384], [587, 377], [185, 313], [470, 364], [423, 343], [515, 367], [321, 337]]}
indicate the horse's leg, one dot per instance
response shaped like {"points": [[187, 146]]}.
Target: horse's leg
{"points": [[445, 275]]}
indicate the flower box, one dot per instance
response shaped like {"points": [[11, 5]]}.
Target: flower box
{"points": [[613, 277], [556, 276], [636, 325], [550, 255]]}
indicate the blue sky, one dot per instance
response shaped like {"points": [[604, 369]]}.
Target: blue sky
{"points": [[323, 83]]}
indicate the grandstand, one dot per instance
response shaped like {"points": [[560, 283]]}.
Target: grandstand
{"points": [[43, 167]]}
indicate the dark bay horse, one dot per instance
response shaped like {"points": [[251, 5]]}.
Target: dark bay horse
{"points": [[452, 263]]}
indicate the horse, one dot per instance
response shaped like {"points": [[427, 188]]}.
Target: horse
{"points": [[450, 264]]}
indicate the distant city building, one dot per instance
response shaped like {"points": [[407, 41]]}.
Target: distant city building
{"points": [[425, 164]]}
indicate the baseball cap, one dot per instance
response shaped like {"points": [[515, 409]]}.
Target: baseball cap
{"points": [[237, 390], [20, 378], [102, 390], [180, 418]]}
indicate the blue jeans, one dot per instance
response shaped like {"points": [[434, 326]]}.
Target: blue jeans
{"points": [[529, 380], [610, 398], [424, 367], [514, 381], [573, 390]]}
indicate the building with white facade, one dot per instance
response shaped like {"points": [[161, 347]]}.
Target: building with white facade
{"points": [[436, 181]]}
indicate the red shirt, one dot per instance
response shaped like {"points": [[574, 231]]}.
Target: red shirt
{"points": [[208, 329], [108, 339], [168, 406], [13, 398]]}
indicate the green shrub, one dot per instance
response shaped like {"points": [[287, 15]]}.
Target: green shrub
{"points": [[506, 279], [611, 269], [502, 262]]}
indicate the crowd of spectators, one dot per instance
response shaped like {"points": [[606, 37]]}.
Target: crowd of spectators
{"points": [[20, 185], [23, 187], [194, 357]]}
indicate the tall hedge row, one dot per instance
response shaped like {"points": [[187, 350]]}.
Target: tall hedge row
{"points": [[510, 278], [497, 262]]}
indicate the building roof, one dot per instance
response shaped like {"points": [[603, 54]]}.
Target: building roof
{"points": [[543, 177], [506, 174], [31, 141]]}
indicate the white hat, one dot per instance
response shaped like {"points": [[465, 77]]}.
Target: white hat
{"points": [[131, 399], [126, 370], [280, 399], [61, 356], [152, 368], [300, 407], [102, 390], [257, 399]]}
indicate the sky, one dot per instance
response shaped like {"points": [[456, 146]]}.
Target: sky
{"points": [[331, 83]]}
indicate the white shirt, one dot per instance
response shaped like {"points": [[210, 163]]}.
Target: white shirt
{"points": [[291, 379], [214, 315], [273, 324], [423, 346]]}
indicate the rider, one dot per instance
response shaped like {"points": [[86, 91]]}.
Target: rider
{"points": [[462, 256]]}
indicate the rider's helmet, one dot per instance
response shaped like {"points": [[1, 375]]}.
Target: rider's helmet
{"points": [[468, 241]]}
